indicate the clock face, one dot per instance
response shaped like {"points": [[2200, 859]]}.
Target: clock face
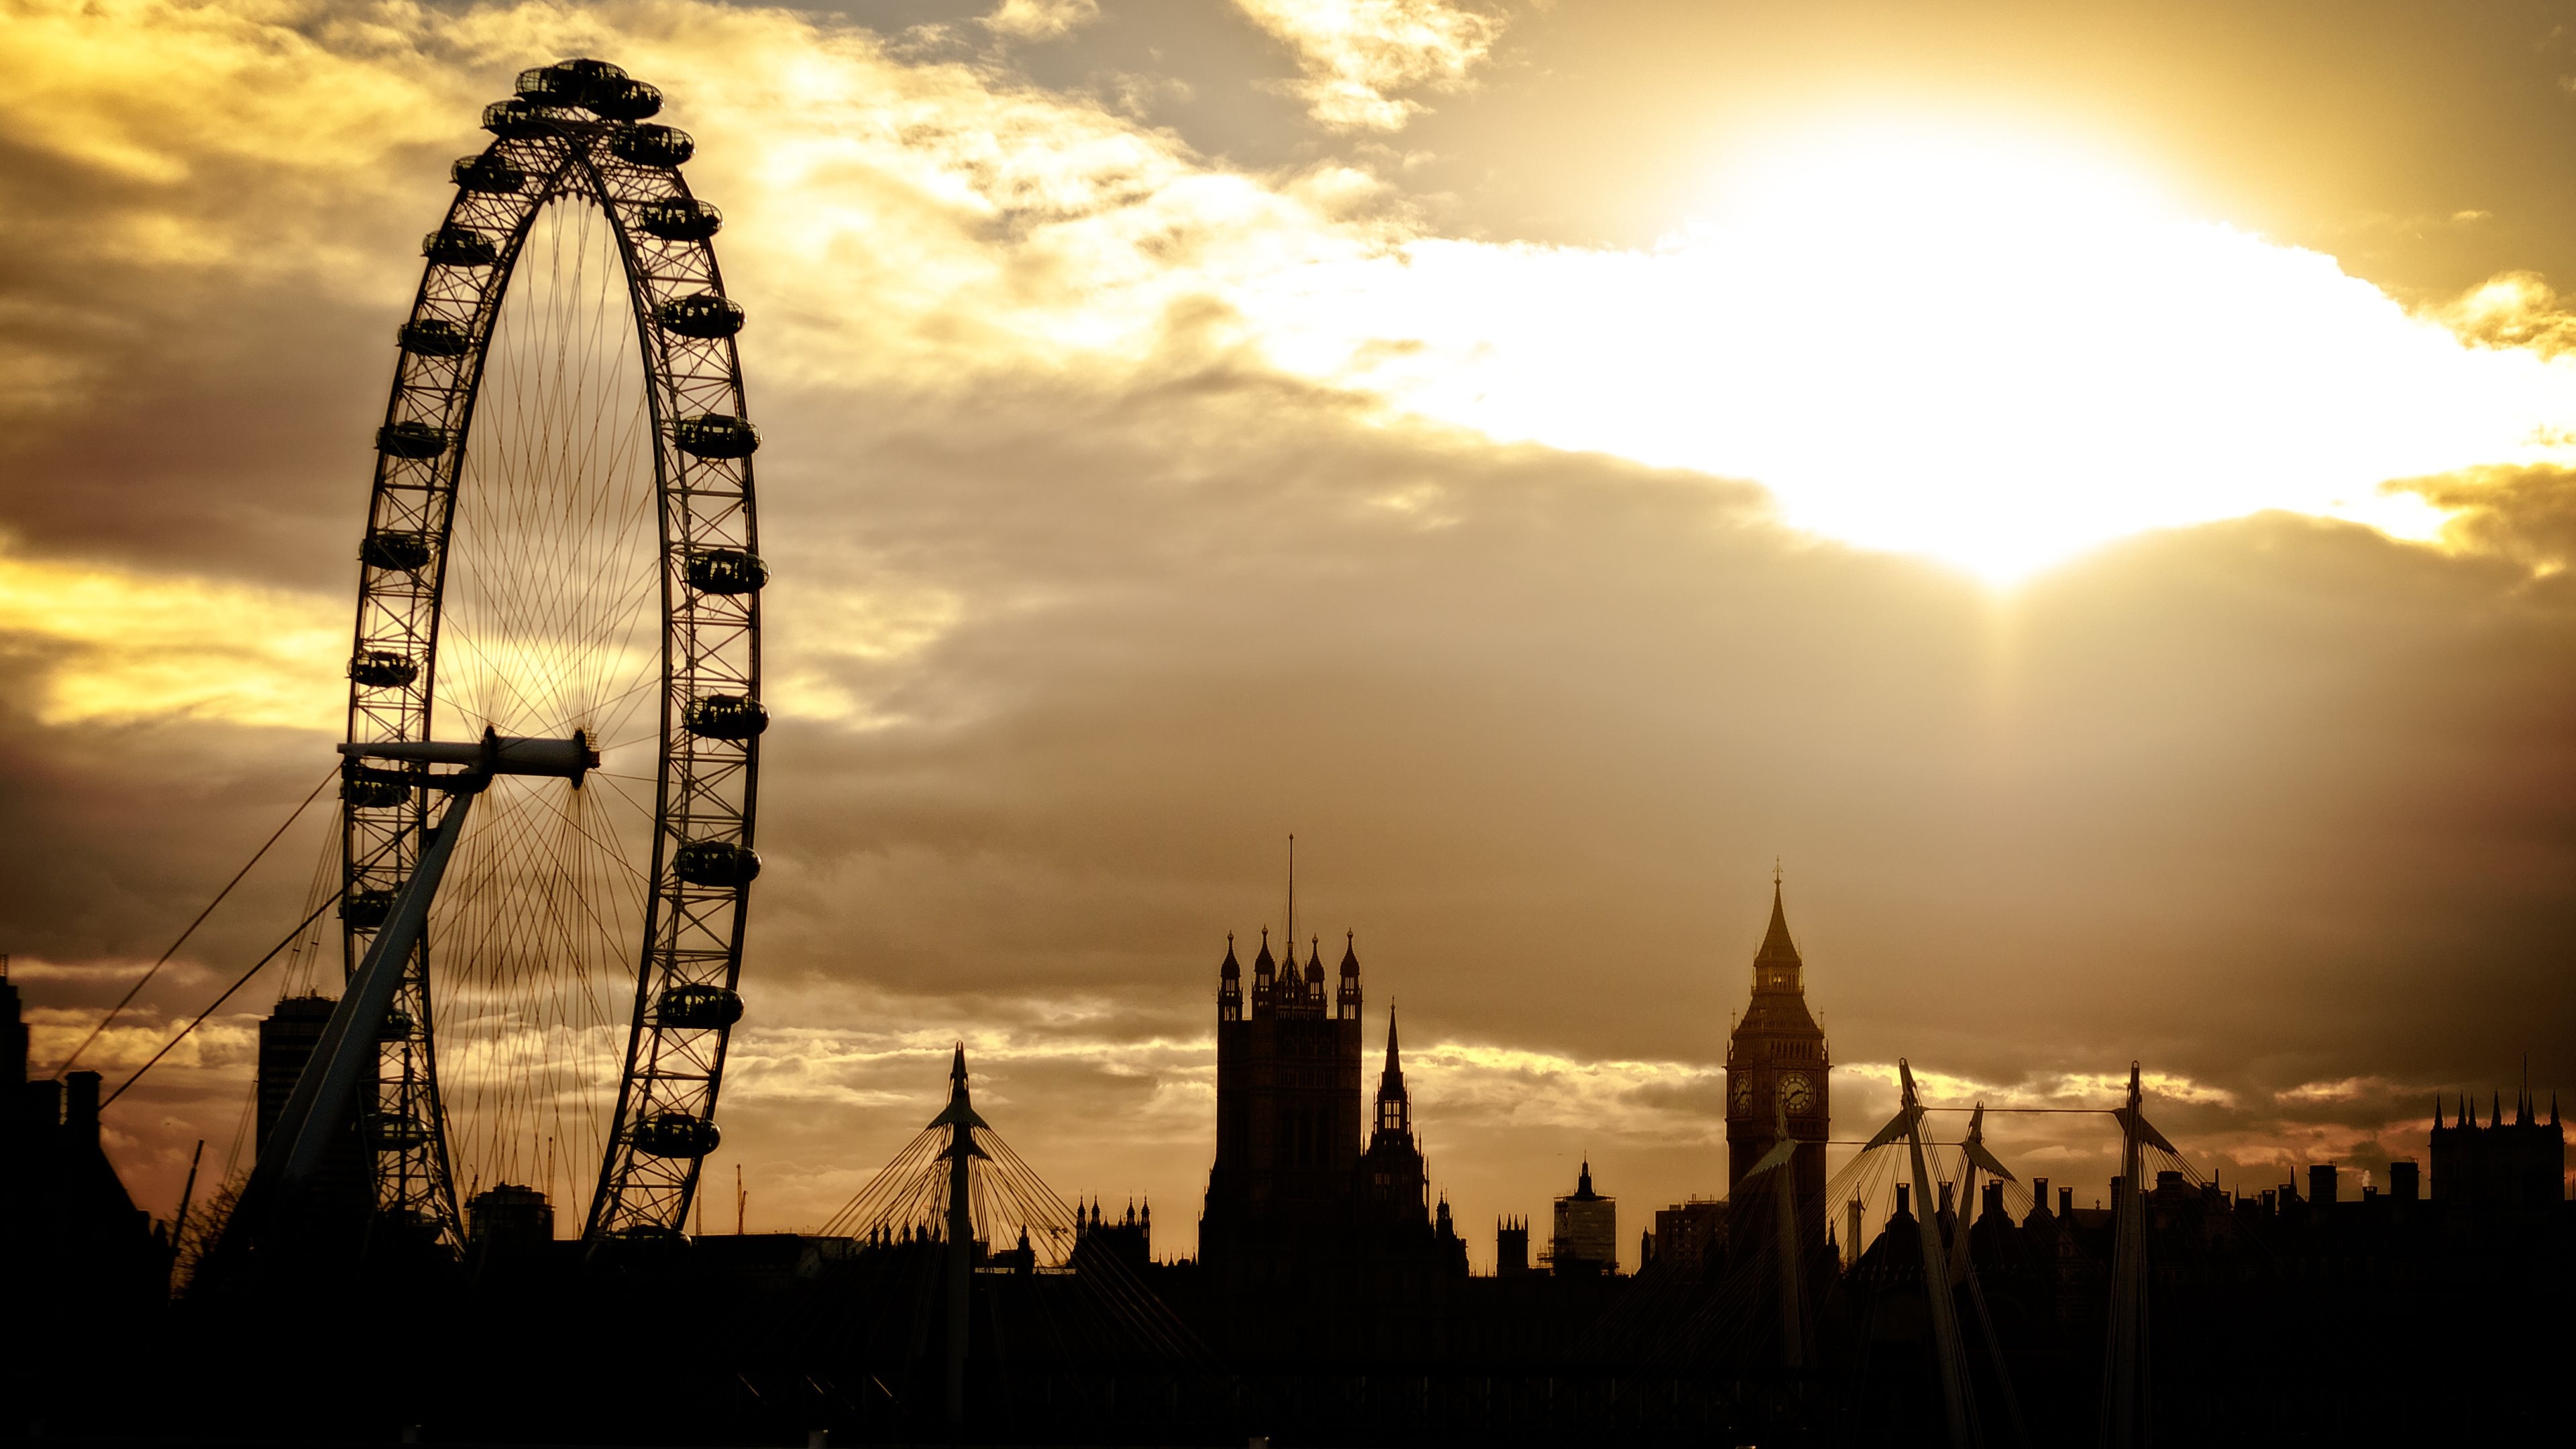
{"points": [[1797, 1093], [1743, 1093]]}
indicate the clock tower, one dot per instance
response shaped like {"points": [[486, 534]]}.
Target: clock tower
{"points": [[1777, 1064]]}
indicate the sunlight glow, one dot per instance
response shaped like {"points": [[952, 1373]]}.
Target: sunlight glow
{"points": [[116, 645], [1957, 342]]}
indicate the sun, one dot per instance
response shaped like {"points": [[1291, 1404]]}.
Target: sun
{"points": [[1988, 344]]}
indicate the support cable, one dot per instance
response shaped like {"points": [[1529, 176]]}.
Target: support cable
{"points": [[128, 998], [244, 980]]}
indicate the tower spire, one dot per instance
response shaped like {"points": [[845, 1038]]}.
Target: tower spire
{"points": [[1394, 1105], [1776, 966]]}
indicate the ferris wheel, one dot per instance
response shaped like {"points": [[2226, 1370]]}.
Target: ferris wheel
{"points": [[562, 558]]}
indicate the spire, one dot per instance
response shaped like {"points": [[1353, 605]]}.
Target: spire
{"points": [[1394, 1107], [1314, 963], [1346, 1001], [960, 1110], [1776, 966], [2437, 1111], [1229, 985]]}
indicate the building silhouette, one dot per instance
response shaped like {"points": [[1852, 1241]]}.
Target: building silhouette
{"points": [[1777, 1064], [1394, 1185], [2521, 1163], [1288, 1116], [1585, 1242], [341, 1188]]}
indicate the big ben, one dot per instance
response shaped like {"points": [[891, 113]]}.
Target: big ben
{"points": [[1777, 1064]]}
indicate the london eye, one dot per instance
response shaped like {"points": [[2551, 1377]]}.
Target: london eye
{"points": [[561, 550]]}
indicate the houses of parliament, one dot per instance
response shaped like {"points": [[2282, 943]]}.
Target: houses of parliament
{"points": [[1305, 1183]]}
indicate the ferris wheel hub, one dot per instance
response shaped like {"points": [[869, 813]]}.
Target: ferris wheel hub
{"points": [[494, 754]]}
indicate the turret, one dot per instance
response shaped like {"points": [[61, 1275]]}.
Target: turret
{"points": [[1229, 985], [1347, 1000], [1265, 992], [1394, 1108]]}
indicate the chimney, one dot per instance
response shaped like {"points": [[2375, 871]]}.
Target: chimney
{"points": [[2404, 1184], [2321, 1184], [42, 1104], [80, 1109], [1902, 1192], [2066, 1202]]}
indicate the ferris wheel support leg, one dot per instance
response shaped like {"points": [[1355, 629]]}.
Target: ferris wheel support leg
{"points": [[320, 1102]]}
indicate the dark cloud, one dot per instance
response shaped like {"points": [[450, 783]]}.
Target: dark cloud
{"points": [[2278, 807]]}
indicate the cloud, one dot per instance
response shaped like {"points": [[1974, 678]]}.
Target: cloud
{"points": [[1130, 508], [1040, 19], [113, 645], [1357, 56], [2044, 357]]}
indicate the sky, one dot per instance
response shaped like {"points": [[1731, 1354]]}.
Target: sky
{"points": [[2084, 490]]}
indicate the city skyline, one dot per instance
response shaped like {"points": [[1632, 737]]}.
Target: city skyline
{"points": [[2102, 532]]}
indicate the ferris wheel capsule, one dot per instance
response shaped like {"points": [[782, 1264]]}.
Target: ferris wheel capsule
{"points": [[488, 175], [650, 145], [703, 315], [716, 436], [676, 1134], [434, 337], [727, 571], [683, 219], [457, 246]]}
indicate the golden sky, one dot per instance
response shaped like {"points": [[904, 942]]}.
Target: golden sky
{"points": [[2083, 485]]}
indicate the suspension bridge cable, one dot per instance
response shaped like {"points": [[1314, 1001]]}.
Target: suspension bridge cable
{"points": [[128, 998], [238, 984]]}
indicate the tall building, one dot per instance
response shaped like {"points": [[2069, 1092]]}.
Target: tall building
{"points": [[1586, 1240], [1777, 1060], [1287, 1114], [1394, 1186], [343, 1180], [2516, 1164]]}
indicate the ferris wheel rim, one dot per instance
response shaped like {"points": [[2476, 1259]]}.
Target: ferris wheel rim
{"points": [[572, 134]]}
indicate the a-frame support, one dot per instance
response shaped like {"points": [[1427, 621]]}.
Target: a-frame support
{"points": [[1963, 1267], [2124, 1368], [1957, 1401], [347, 1051], [1783, 1153], [961, 1121]]}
